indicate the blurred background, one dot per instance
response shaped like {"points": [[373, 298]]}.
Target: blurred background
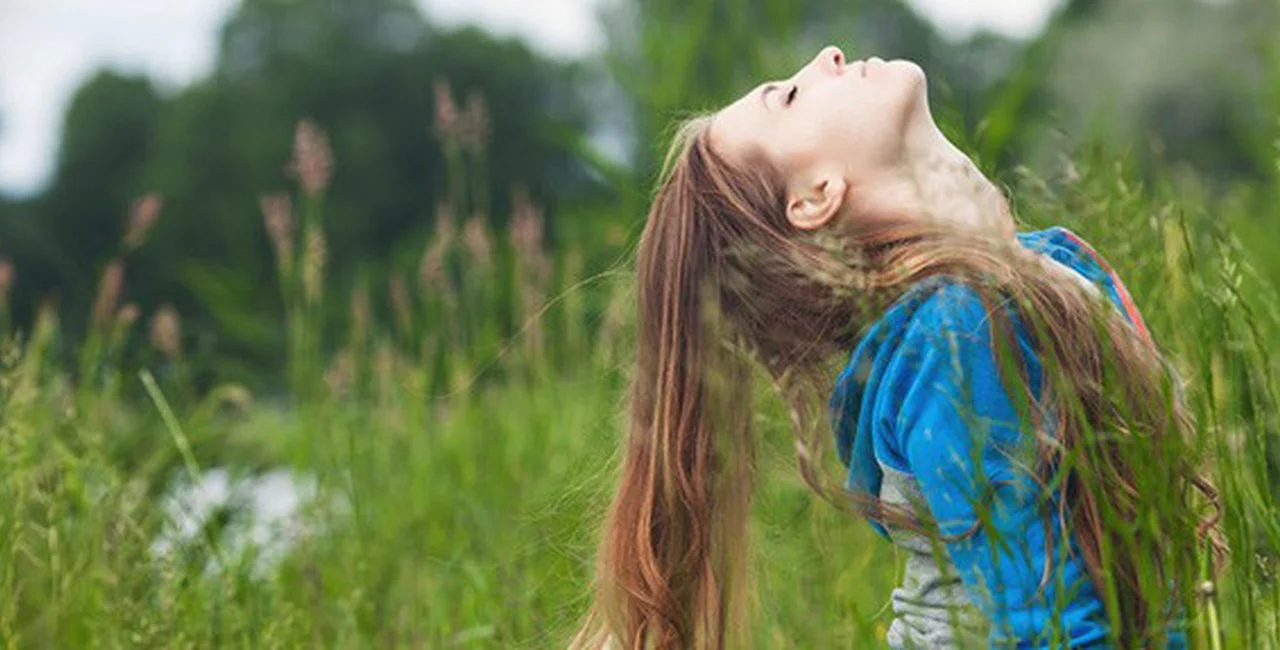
{"points": [[196, 103], [368, 260]]}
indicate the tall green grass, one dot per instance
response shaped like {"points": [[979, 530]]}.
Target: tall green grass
{"points": [[461, 427]]}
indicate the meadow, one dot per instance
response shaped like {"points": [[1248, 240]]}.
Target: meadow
{"points": [[453, 442]]}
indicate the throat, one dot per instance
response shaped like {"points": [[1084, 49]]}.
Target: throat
{"points": [[949, 187], [954, 190]]}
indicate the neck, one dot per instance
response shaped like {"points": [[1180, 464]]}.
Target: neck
{"points": [[940, 182]]}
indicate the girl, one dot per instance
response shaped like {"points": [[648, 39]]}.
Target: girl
{"points": [[1002, 412]]}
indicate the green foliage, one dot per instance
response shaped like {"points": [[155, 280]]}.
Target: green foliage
{"points": [[459, 468], [432, 333], [363, 71]]}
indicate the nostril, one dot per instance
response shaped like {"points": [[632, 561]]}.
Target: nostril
{"points": [[830, 57], [836, 56]]}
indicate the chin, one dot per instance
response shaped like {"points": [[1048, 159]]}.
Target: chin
{"points": [[910, 71], [914, 84], [913, 98]]}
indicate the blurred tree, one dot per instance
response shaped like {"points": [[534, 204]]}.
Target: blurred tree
{"points": [[1080, 9], [1182, 82], [265, 36], [362, 70], [59, 239], [670, 57]]}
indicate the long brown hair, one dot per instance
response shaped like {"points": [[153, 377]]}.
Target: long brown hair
{"points": [[724, 278]]}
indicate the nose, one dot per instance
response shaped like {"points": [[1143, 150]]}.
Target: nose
{"points": [[831, 59]]}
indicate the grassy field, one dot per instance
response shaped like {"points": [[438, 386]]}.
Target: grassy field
{"points": [[458, 447]]}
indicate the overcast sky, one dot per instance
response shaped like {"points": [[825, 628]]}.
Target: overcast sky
{"points": [[47, 47]]}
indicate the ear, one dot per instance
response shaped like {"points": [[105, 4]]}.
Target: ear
{"points": [[814, 203]]}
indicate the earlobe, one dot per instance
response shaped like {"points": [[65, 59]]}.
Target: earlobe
{"points": [[815, 206]]}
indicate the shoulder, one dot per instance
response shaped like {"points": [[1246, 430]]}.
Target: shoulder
{"points": [[927, 360], [952, 307], [944, 344], [944, 315], [881, 366], [940, 314], [945, 375]]}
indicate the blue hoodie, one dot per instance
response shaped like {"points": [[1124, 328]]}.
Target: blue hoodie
{"points": [[921, 410]]}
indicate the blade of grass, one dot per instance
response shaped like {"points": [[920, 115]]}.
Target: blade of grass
{"points": [[171, 423]]}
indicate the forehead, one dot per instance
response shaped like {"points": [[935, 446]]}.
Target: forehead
{"points": [[736, 131]]}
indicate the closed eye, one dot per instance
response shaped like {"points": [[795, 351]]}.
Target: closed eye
{"points": [[791, 94]]}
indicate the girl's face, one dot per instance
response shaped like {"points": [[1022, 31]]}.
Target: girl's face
{"points": [[832, 128]]}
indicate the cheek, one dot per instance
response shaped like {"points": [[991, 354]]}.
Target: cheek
{"points": [[877, 121], [861, 125], [870, 136], [856, 138]]}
